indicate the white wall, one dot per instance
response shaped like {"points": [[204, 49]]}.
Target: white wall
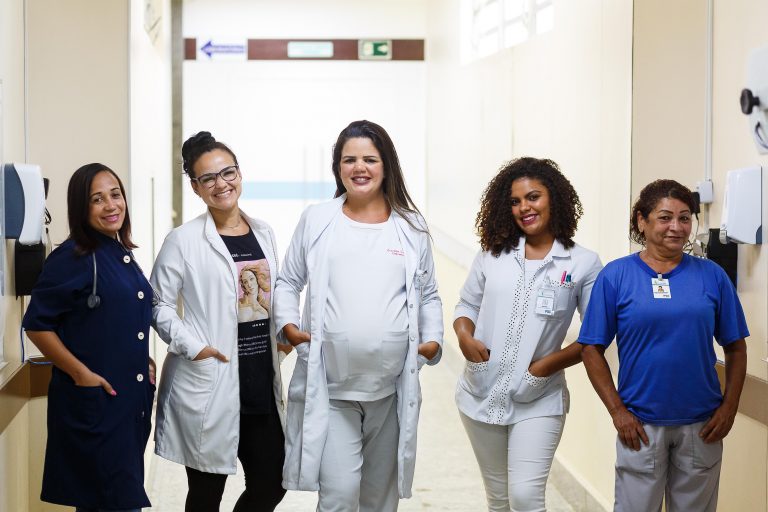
{"points": [[275, 19], [149, 182]]}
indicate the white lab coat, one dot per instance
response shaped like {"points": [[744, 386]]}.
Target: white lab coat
{"points": [[502, 305], [198, 404], [306, 263]]}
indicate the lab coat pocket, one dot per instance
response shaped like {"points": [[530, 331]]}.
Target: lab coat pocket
{"points": [[476, 379], [641, 461], [530, 388], [394, 349], [302, 351], [84, 405], [191, 390], [336, 355], [564, 301]]}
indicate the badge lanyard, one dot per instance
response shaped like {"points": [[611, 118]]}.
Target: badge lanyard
{"points": [[661, 288]]}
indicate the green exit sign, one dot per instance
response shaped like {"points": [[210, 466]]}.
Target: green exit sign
{"points": [[374, 49]]}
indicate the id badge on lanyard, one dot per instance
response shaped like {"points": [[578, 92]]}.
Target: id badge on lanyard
{"points": [[661, 288], [545, 301]]}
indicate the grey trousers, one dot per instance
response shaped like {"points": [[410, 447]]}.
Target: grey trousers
{"points": [[676, 464], [515, 460], [358, 471]]}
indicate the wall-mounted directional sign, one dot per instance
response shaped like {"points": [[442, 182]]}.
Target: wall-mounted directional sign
{"points": [[222, 49], [372, 49], [310, 49]]}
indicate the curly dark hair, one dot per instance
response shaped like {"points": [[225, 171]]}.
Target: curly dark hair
{"points": [[650, 197], [495, 225]]}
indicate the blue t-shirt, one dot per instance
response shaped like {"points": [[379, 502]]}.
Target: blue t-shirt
{"points": [[667, 360]]}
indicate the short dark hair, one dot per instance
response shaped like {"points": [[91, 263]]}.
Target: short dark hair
{"points": [[495, 224], [395, 191], [196, 146], [78, 210], [650, 197]]}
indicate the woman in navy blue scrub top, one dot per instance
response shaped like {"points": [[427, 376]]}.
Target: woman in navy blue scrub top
{"points": [[102, 387]]}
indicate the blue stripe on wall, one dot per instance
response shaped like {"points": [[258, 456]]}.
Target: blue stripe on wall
{"points": [[288, 190]]}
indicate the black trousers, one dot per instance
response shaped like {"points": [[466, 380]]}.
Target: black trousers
{"points": [[261, 452]]}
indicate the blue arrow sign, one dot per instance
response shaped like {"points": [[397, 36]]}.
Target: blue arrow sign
{"points": [[210, 48]]}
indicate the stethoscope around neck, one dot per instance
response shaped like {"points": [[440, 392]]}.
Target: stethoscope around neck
{"points": [[94, 300]]}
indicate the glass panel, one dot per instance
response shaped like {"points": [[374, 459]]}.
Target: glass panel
{"points": [[545, 19], [487, 18], [488, 44], [513, 9], [515, 33]]}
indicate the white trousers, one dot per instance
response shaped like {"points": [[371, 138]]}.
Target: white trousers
{"points": [[676, 462], [358, 471], [515, 460]]}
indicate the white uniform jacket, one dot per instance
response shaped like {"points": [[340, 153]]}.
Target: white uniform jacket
{"points": [[198, 404], [306, 263], [503, 307]]}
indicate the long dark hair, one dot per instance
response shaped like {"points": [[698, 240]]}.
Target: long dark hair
{"points": [[650, 197], [495, 224], [395, 191], [78, 210], [198, 145]]}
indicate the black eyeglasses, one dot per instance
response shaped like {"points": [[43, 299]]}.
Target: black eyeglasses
{"points": [[208, 180]]}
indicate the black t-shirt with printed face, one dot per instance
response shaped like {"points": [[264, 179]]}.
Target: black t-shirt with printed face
{"points": [[253, 311]]}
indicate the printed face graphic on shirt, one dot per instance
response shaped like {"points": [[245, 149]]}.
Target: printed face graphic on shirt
{"points": [[254, 290]]}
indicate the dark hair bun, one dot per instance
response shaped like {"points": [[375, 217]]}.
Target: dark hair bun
{"points": [[194, 146]]}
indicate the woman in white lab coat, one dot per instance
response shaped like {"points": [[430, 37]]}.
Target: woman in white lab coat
{"points": [[372, 317], [220, 395], [514, 312]]}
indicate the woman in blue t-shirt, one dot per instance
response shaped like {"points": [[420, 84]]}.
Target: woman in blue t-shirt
{"points": [[665, 307]]}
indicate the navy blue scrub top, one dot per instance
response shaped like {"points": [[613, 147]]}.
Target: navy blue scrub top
{"points": [[94, 457]]}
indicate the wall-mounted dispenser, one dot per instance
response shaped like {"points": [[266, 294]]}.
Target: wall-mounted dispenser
{"points": [[754, 97], [742, 218], [24, 203]]}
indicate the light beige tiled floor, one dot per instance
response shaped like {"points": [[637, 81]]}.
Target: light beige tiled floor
{"points": [[447, 477]]}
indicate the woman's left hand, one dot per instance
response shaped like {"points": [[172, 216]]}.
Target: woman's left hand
{"points": [[429, 349], [719, 425], [285, 348], [538, 368]]}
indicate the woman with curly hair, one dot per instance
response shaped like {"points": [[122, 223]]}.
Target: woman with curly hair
{"points": [[513, 314]]}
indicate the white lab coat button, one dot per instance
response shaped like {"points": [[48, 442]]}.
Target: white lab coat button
{"points": [[141, 336], [410, 306], [141, 295], [413, 338], [413, 371], [126, 259], [410, 403], [140, 378]]}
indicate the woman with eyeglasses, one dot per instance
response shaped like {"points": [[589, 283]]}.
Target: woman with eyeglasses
{"points": [[220, 395]]}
